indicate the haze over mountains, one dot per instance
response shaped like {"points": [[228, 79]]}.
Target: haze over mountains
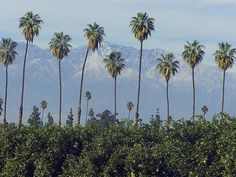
{"points": [[42, 83]]}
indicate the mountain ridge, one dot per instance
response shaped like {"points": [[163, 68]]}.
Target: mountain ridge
{"points": [[42, 83]]}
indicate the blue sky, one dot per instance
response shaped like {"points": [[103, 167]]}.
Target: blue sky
{"points": [[209, 21]]}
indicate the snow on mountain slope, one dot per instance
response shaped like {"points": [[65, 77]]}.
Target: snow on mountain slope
{"points": [[42, 83]]}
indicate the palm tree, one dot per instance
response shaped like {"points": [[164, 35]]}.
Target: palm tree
{"points": [[114, 65], [167, 66], [30, 24], [1, 103], [7, 55], [59, 46], [44, 105], [130, 107], [142, 26], [88, 96], [193, 54], [204, 111], [224, 58], [94, 34]]}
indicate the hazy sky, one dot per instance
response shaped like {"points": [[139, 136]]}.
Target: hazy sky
{"points": [[209, 21]]}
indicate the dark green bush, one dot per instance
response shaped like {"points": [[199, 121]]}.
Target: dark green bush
{"points": [[202, 148]]}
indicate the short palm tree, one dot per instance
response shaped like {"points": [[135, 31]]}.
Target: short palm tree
{"points": [[60, 48], [30, 24], [130, 107], [7, 55], [204, 111], [142, 26], [167, 66], [193, 54], [44, 105], [94, 34], [88, 96], [224, 58], [114, 64]]}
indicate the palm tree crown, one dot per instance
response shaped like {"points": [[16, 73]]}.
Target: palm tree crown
{"points": [[31, 25], [114, 64], [7, 51], [167, 65], [193, 53], [130, 106], [88, 95], [94, 34], [204, 109], [59, 45], [225, 56], [142, 25], [44, 104]]}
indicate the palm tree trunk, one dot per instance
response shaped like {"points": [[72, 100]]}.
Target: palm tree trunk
{"points": [[223, 94], [129, 115], [23, 85], [115, 98], [167, 101], [87, 111], [42, 114], [139, 80], [193, 116], [204, 115], [81, 88], [59, 69], [5, 104]]}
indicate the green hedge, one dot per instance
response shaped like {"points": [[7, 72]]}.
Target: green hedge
{"points": [[202, 148]]}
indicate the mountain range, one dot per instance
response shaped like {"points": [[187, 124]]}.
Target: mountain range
{"points": [[42, 83]]}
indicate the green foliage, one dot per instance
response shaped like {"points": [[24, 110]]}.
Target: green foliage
{"points": [[167, 66], [50, 119], [59, 45], [105, 119], [35, 120], [31, 25], [193, 53], [94, 34], [114, 64], [142, 26], [91, 114], [202, 148], [7, 51], [70, 118], [225, 56]]}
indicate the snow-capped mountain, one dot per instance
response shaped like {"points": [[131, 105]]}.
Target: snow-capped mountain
{"points": [[42, 83]]}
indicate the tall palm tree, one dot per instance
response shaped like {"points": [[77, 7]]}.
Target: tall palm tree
{"points": [[94, 35], [44, 105], [1, 103], [167, 66], [193, 54], [88, 96], [7, 55], [224, 58], [60, 48], [30, 23], [204, 111], [130, 107], [142, 26], [114, 65]]}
